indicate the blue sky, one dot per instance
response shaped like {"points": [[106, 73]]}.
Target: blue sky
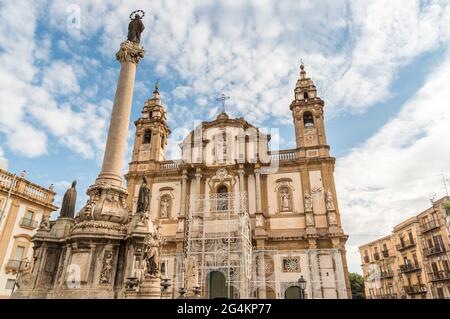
{"points": [[381, 66]]}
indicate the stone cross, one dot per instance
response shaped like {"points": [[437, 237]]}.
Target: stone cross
{"points": [[223, 98]]}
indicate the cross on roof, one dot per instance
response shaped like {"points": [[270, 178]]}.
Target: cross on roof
{"points": [[223, 98]]}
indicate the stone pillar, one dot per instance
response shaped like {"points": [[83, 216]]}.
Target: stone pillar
{"points": [[241, 179], [258, 189], [183, 193], [107, 197], [129, 56]]}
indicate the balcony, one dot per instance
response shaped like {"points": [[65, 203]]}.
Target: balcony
{"points": [[415, 289], [376, 256], [439, 276], [366, 259], [14, 265], [28, 223], [405, 245], [385, 253], [430, 251], [387, 274], [430, 225], [409, 267]]}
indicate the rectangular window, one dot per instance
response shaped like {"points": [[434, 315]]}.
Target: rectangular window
{"points": [[19, 253], [29, 215], [10, 284], [411, 238]]}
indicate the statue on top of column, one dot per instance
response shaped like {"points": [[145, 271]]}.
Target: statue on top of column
{"points": [[69, 201], [136, 26]]}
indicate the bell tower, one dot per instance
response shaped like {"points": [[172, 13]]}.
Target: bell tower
{"points": [[308, 116], [150, 142]]}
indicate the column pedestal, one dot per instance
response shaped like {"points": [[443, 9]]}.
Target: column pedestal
{"points": [[150, 288]]}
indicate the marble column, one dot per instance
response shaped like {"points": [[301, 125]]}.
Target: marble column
{"points": [[129, 56], [258, 190], [107, 197]]}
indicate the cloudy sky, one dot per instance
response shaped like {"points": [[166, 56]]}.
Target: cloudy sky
{"points": [[383, 68]]}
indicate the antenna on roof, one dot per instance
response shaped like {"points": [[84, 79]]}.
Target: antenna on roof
{"points": [[446, 182]]}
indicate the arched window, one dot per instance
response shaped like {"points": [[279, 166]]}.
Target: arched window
{"points": [[163, 143], [147, 137], [164, 206], [222, 198], [308, 119], [285, 199], [305, 95]]}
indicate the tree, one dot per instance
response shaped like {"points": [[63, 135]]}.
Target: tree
{"points": [[357, 286]]}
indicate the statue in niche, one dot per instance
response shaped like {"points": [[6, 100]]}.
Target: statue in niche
{"points": [[165, 204], [69, 201], [285, 200], [329, 200], [136, 26], [143, 199], [308, 202]]}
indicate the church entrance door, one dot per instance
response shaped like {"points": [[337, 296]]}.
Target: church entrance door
{"points": [[217, 285]]}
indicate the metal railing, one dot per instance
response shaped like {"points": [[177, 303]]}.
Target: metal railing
{"points": [[434, 250], [385, 253], [376, 256], [405, 245], [430, 225], [415, 289], [29, 223], [366, 259], [439, 275], [410, 267], [387, 274]]}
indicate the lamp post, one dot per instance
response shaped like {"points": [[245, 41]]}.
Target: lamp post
{"points": [[19, 270], [302, 284]]}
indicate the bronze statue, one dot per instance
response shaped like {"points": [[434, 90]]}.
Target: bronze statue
{"points": [[136, 26], [69, 201], [143, 200]]}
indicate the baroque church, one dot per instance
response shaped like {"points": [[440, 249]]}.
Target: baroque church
{"points": [[240, 220], [231, 218]]}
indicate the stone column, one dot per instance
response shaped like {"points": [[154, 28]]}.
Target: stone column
{"points": [[129, 56], [183, 194], [107, 197], [258, 190]]}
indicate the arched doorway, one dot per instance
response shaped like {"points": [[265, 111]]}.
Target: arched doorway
{"points": [[222, 198], [293, 292], [217, 285]]}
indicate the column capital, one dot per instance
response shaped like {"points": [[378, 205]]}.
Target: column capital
{"points": [[130, 52]]}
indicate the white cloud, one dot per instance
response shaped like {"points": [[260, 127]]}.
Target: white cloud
{"points": [[60, 78], [389, 178], [3, 160]]}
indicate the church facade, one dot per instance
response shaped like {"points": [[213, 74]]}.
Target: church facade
{"points": [[239, 220]]}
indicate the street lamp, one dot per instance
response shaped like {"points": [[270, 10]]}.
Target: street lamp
{"points": [[302, 284]]}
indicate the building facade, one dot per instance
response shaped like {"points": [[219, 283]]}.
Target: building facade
{"points": [[230, 219], [415, 257], [23, 205], [240, 220]]}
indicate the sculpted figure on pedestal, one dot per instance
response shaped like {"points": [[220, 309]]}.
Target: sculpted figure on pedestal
{"points": [[136, 27], [69, 201]]}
